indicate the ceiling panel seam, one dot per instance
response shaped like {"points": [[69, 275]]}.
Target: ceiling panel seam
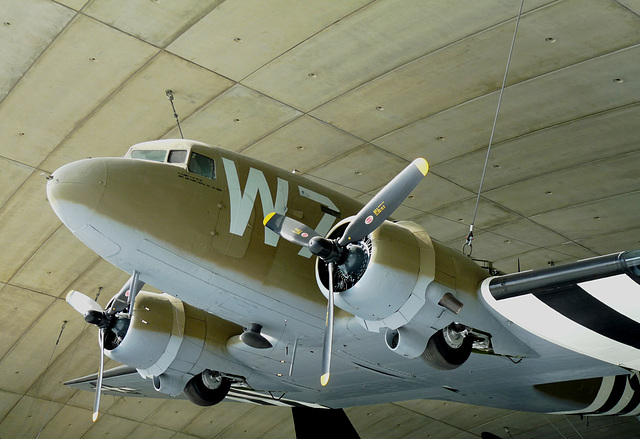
{"points": [[90, 267], [30, 328], [40, 244], [574, 166], [33, 170], [520, 217], [201, 108], [586, 203], [540, 130], [111, 26], [234, 82], [542, 174], [627, 8], [372, 143], [492, 228], [40, 55], [193, 22], [425, 55], [326, 28], [486, 95], [35, 320], [96, 108], [242, 150], [516, 137], [341, 130], [440, 421]]}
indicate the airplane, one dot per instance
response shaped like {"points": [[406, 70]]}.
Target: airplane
{"points": [[279, 291]]}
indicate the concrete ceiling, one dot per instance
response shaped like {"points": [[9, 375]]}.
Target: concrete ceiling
{"points": [[346, 92]]}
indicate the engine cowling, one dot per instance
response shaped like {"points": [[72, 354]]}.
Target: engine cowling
{"points": [[383, 278], [171, 342]]}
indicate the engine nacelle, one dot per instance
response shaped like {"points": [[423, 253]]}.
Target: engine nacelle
{"points": [[171, 341], [384, 281]]}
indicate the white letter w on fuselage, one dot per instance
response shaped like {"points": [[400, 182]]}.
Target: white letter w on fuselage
{"points": [[242, 204]]}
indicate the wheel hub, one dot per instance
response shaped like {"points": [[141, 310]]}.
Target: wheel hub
{"points": [[211, 380]]}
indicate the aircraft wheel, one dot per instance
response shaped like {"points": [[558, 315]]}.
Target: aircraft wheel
{"points": [[207, 388], [447, 352]]}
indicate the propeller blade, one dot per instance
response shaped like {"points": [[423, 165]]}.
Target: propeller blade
{"points": [[290, 229], [385, 202], [328, 333], [123, 298], [82, 303], [96, 402]]}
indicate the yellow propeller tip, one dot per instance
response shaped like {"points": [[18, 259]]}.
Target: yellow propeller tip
{"points": [[95, 416], [267, 218], [324, 379], [422, 165]]}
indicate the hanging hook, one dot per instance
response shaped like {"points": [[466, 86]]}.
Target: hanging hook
{"points": [[169, 94], [468, 242]]}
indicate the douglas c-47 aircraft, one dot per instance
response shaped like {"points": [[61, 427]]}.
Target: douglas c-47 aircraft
{"points": [[253, 260]]}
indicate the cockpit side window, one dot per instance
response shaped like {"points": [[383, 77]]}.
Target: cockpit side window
{"points": [[149, 154], [201, 165], [177, 156]]}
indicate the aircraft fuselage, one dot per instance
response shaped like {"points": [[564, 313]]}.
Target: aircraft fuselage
{"points": [[196, 233]]}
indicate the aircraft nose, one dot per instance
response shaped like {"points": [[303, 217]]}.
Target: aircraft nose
{"points": [[75, 190]]}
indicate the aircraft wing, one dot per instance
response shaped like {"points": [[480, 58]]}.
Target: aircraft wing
{"points": [[126, 381], [591, 307], [310, 420]]}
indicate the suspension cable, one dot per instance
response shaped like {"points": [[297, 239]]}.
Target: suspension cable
{"points": [[169, 94], [469, 237]]}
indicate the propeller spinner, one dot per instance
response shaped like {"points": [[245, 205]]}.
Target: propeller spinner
{"points": [[335, 251]]}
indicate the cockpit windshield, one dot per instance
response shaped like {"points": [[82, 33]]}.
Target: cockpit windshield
{"points": [[192, 161], [201, 165], [175, 156], [149, 154]]}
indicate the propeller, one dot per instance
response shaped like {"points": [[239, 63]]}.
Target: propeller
{"points": [[105, 320], [328, 333], [82, 303], [96, 401], [336, 251], [92, 313]]}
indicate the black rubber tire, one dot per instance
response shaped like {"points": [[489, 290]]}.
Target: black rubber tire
{"points": [[201, 395], [441, 356]]}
